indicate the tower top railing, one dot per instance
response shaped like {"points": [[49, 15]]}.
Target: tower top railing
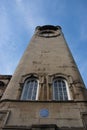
{"points": [[48, 27]]}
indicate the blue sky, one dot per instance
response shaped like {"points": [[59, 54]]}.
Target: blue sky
{"points": [[18, 19]]}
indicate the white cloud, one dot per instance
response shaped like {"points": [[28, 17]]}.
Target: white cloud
{"points": [[6, 32], [7, 43], [8, 39], [30, 14]]}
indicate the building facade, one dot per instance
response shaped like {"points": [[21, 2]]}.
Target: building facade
{"points": [[46, 91]]}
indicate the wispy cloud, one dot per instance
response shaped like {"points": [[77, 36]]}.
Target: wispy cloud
{"points": [[10, 32], [30, 20], [7, 43]]}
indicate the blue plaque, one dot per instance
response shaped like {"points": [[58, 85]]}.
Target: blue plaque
{"points": [[44, 113]]}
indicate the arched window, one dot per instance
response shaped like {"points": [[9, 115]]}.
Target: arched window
{"points": [[60, 89], [30, 89]]}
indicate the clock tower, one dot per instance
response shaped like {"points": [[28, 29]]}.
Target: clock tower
{"points": [[46, 90]]}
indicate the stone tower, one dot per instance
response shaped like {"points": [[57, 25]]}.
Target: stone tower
{"points": [[46, 91]]}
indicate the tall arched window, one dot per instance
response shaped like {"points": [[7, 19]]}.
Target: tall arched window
{"points": [[60, 89], [30, 89]]}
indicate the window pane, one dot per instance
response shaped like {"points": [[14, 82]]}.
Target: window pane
{"points": [[59, 90], [34, 90], [61, 97], [25, 92], [65, 98], [30, 90]]}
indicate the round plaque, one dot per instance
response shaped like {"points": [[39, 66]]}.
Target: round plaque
{"points": [[44, 113]]}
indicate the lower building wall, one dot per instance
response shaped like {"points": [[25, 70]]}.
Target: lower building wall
{"points": [[65, 115]]}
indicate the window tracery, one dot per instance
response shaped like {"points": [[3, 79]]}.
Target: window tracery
{"points": [[60, 89], [30, 89]]}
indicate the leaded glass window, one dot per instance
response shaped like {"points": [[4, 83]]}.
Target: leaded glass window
{"points": [[30, 90], [60, 89]]}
